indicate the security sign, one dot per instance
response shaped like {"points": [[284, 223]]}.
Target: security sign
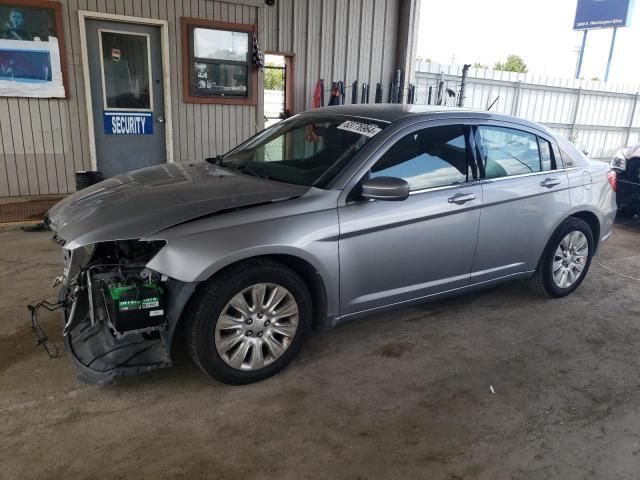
{"points": [[128, 123]]}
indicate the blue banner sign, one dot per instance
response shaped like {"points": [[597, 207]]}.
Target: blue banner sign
{"points": [[128, 123], [592, 14]]}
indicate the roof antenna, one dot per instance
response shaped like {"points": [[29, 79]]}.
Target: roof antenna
{"points": [[494, 102]]}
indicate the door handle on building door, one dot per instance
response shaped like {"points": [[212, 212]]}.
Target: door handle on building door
{"points": [[160, 119]]}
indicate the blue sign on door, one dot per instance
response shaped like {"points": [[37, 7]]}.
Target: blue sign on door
{"points": [[128, 123]]}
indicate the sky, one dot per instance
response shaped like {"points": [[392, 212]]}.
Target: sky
{"points": [[540, 31]]}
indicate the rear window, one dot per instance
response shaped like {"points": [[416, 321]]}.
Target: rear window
{"points": [[571, 156]]}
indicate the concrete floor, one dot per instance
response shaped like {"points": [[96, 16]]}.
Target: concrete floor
{"points": [[400, 395]]}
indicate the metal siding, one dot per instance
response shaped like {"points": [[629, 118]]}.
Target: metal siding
{"points": [[8, 155], [388, 49], [285, 43], [339, 40], [313, 58], [365, 41], [299, 45]]}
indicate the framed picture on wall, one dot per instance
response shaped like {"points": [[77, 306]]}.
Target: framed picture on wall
{"points": [[32, 54]]}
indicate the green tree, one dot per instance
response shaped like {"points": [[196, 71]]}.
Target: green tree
{"points": [[514, 63], [273, 79], [423, 59], [479, 65]]}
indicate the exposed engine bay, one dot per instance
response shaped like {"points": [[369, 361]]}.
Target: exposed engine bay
{"points": [[117, 317]]}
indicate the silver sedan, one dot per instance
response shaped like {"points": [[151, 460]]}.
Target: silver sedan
{"points": [[330, 215]]}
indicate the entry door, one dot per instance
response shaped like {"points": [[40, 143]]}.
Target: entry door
{"points": [[393, 252], [125, 68]]}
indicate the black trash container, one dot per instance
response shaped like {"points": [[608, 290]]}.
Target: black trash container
{"points": [[85, 179]]}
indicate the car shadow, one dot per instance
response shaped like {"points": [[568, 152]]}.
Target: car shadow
{"points": [[629, 224]]}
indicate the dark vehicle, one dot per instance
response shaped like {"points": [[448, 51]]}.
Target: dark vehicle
{"points": [[626, 164]]}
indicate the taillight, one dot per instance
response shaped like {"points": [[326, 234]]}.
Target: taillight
{"points": [[613, 180]]}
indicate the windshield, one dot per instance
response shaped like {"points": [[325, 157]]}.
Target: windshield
{"points": [[305, 150]]}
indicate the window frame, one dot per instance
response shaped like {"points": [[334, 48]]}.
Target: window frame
{"points": [[552, 153], [540, 136], [188, 61]]}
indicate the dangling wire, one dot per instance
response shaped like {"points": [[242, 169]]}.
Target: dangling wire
{"points": [[38, 332]]}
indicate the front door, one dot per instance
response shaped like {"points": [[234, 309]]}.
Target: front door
{"points": [[393, 252], [125, 69]]}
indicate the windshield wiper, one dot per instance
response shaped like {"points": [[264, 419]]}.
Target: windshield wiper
{"points": [[217, 160], [249, 171]]}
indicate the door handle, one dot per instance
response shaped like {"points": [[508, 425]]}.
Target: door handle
{"points": [[550, 183], [160, 119], [461, 198]]}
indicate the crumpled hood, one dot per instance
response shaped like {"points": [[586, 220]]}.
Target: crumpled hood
{"points": [[143, 202]]}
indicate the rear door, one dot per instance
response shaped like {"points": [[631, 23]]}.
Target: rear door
{"points": [[526, 195], [392, 252]]}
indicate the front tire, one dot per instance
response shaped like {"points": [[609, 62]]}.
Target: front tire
{"points": [[249, 322], [566, 259]]}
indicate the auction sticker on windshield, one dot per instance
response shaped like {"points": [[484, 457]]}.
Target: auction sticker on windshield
{"points": [[366, 129]]}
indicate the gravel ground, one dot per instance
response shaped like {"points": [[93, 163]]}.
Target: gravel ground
{"points": [[399, 395]]}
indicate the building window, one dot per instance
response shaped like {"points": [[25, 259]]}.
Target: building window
{"points": [[217, 64], [32, 52]]}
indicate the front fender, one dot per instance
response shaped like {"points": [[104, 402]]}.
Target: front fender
{"points": [[196, 253]]}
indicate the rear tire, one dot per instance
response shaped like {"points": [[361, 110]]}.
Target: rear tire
{"points": [[256, 340], [548, 278]]}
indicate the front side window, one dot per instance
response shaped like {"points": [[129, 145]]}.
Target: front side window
{"points": [[429, 158], [506, 152], [305, 150]]}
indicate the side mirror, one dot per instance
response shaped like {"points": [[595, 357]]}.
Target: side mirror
{"points": [[385, 188]]}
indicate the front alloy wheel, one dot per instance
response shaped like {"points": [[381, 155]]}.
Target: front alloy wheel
{"points": [[248, 322], [256, 326]]}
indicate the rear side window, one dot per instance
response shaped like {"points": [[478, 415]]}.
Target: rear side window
{"points": [[428, 158], [546, 155], [506, 152]]}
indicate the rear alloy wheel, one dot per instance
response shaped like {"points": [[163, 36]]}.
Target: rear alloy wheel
{"points": [[565, 260], [249, 322], [570, 259]]}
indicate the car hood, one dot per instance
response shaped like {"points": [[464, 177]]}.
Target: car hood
{"points": [[143, 202]]}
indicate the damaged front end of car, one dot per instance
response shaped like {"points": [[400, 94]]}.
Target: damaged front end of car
{"points": [[119, 315]]}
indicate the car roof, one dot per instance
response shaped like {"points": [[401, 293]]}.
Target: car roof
{"points": [[394, 112]]}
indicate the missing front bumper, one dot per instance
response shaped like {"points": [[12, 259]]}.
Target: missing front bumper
{"points": [[99, 356]]}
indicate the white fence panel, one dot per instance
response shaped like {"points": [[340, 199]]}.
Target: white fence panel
{"points": [[599, 117]]}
